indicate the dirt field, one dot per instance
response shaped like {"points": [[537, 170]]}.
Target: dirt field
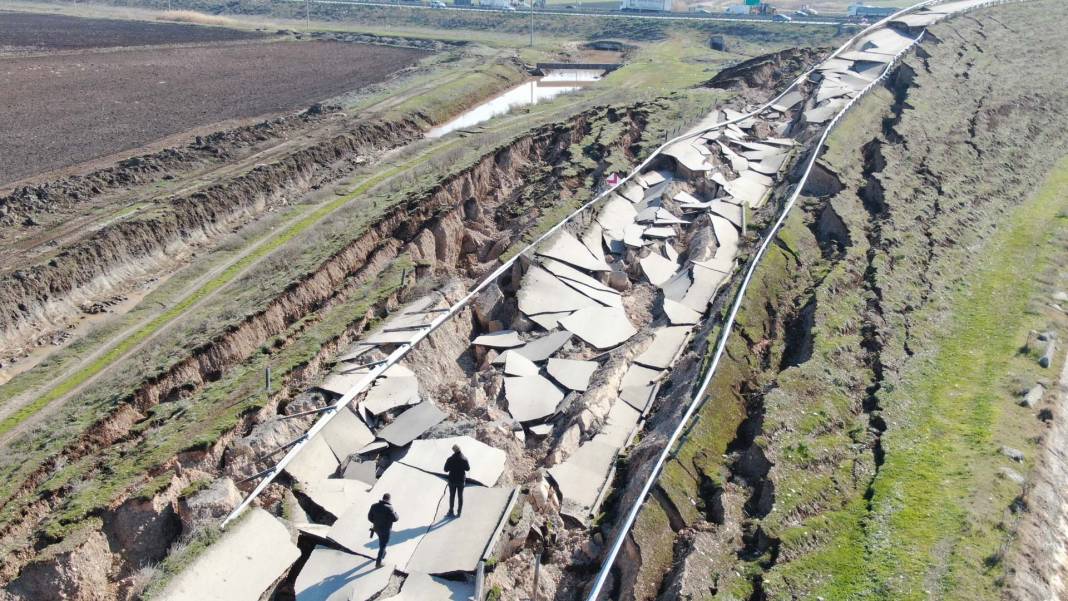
{"points": [[28, 32], [61, 110]]}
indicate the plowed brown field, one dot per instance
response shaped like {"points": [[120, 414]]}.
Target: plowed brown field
{"points": [[62, 109]]}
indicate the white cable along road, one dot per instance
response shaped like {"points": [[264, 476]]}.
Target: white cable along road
{"points": [[728, 326]]}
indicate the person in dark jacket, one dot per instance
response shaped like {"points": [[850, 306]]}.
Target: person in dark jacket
{"points": [[456, 466], [382, 517]]}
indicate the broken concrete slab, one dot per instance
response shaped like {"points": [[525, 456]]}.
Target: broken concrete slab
{"points": [[666, 346], [616, 214], [706, 283], [502, 339], [619, 425], [659, 233], [415, 496], [542, 348], [726, 237], [572, 373], [679, 314], [412, 424], [341, 383], [675, 288], [315, 461], [422, 587], [388, 394], [633, 192], [429, 455], [639, 397], [531, 398], [346, 433], [361, 471], [567, 248], [722, 264], [581, 477], [457, 544], [592, 240], [730, 212], [241, 565], [332, 575], [568, 273], [657, 269], [601, 327], [518, 365], [542, 292], [336, 495], [632, 235], [549, 321]]}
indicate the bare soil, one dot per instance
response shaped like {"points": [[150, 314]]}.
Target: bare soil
{"points": [[63, 109], [29, 32]]}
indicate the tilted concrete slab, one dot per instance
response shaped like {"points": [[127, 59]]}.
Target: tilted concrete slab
{"points": [[688, 157], [647, 215], [592, 240], [341, 383], [415, 496], [567, 248], [602, 327], [361, 471], [675, 288], [759, 178], [726, 236], [412, 424], [572, 373], [747, 190], [457, 544], [619, 425], [502, 339], [639, 375], [430, 454], [336, 495], [608, 298], [632, 235], [666, 217], [770, 165], [722, 264], [658, 269], [706, 282], [332, 575], [659, 233], [730, 212], [581, 476], [639, 397], [685, 198], [670, 253], [388, 394], [531, 398], [666, 346], [542, 348], [823, 114], [518, 365], [422, 587], [633, 192], [868, 57], [679, 314], [346, 434], [240, 566], [615, 216], [542, 292], [566, 272], [549, 321], [315, 461]]}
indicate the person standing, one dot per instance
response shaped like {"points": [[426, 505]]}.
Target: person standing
{"points": [[382, 517], [456, 466]]}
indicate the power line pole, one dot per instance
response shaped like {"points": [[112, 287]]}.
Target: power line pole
{"points": [[531, 23]]}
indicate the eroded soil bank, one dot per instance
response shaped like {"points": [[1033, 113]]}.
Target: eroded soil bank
{"points": [[863, 437]]}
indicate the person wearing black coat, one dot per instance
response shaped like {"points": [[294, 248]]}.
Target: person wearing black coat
{"points": [[456, 466], [382, 517]]}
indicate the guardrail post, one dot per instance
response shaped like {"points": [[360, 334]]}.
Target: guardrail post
{"points": [[480, 580], [537, 575]]}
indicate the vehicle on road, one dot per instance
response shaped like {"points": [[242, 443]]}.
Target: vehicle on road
{"points": [[782, 18], [437, 4]]}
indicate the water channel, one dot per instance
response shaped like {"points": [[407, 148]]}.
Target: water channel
{"points": [[551, 85]]}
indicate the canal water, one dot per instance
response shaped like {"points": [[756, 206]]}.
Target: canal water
{"points": [[549, 86]]}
